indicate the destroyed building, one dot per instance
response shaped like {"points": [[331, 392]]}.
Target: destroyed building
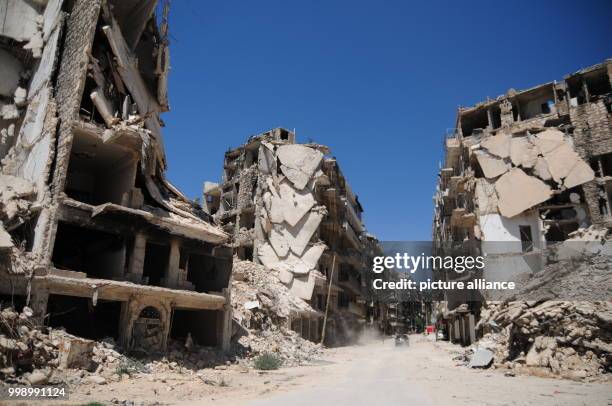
{"points": [[289, 207], [93, 237], [526, 169]]}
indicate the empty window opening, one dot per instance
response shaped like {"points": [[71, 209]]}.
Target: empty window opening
{"points": [[16, 302], [320, 302], [343, 300], [597, 82], [78, 316], [471, 121], [96, 253], [495, 116], [202, 325], [247, 219], [604, 198], [536, 102], [284, 134], [99, 173], [251, 157], [155, 263], [343, 275], [526, 238], [606, 164], [515, 112], [23, 236], [576, 90], [184, 259], [245, 253], [560, 231], [208, 274]]}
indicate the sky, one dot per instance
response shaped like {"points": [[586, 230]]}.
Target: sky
{"points": [[379, 82]]}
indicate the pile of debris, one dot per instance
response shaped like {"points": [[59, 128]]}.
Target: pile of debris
{"points": [[25, 349], [551, 338], [575, 271], [263, 308], [41, 355], [16, 208]]}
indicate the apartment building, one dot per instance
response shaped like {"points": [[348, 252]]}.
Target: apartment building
{"points": [[94, 238], [289, 207], [523, 171]]}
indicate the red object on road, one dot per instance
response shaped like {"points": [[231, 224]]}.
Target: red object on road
{"points": [[430, 329]]}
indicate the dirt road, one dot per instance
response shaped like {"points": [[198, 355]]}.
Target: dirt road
{"points": [[370, 374], [424, 374]]}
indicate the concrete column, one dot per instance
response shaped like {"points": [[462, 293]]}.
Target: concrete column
{"points": [[306, 329], [224, 322], [136, 265], [471, 328], [125, 329], [172, 269], [38, 304]]}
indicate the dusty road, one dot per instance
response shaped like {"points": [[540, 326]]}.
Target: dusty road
{"points": [[424, 374], [371, 374]]}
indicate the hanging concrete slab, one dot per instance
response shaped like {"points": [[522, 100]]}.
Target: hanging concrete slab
{"points": [[295, 203], [491, 166], [580, 173], [498, 145], [299, 163], [548, 140], [532, 192]]}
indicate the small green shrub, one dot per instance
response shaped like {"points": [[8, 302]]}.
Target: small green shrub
{"points": [[267, 362]]}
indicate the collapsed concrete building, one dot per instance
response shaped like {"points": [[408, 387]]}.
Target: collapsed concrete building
{"points": [[525, 170], [94, 238], [289, 207]]}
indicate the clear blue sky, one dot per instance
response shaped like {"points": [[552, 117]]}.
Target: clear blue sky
{"points": [[377, 81]]}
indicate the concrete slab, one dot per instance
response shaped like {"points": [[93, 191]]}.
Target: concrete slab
{"points": [[532, 192]]}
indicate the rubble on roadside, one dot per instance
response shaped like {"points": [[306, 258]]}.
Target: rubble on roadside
{"points": [[35, 355], [551, 338], [262, 308]]}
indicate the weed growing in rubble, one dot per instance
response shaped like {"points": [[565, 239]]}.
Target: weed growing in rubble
{"points": [[267, 362]]}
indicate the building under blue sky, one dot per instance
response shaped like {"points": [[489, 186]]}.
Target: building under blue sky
{"points": [[379, 82]]}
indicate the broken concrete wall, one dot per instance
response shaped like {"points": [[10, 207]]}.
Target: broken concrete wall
{"points": [[83, 172], [593, 138], [29, 140], [528, 177], [290, 215]]}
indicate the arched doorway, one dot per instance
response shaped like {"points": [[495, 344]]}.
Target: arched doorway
{"points": [[148, 331]]}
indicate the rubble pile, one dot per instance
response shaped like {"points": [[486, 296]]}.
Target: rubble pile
{"points": [[553, 338], [16, 207], [179, 358], [41, 355], [23, 348], [581, 277], [263, 307]]}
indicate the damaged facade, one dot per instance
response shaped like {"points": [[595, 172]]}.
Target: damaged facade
{"points": [[94, 238], [527, 169], [289, 207]]}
